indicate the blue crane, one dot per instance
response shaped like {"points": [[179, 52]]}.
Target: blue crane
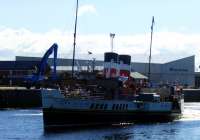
{"points": [[38, 77]]}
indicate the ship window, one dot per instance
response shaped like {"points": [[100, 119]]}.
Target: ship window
{"points": [[120, 106], [91, 106], [105, 107], [123, 106], [126, 106], [101, 107], [97, 106], [113, 107], [117, 107]]}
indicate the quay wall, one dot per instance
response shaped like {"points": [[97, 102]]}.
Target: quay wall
{"points": [[191, 95], [31, 98], [20, 98]]}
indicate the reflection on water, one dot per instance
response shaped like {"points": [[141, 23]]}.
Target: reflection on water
{"points": [[122, 136], [28, 124], [187, 127]]}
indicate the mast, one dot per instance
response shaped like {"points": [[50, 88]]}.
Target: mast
{"points": [[74, 44], [149, 73]]}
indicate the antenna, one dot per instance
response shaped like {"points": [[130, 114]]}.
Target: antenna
{"points": [[73, 60], [149, 73]]}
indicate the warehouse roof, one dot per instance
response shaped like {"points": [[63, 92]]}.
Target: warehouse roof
{"points": [[137, 75]]}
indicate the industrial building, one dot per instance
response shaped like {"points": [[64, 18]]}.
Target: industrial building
{"points": [[12, 72], [179, 71]]}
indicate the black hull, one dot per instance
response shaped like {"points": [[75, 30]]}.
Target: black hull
{"points": [[72, 118]]}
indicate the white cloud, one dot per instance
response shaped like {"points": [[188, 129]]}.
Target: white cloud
{"points": [[167, 46], [87, 9]]}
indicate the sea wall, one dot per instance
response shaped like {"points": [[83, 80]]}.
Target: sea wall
{"points": [[191, 95], [31, 98], [20, 98]]}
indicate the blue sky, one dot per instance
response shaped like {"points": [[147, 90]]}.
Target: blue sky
{"points": [[29, 27], [124, 17]]}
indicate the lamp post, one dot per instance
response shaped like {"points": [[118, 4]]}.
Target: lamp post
{"points": [[112, 35]]}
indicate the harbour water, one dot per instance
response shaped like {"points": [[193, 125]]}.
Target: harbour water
{"points": [[21, 124]]}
